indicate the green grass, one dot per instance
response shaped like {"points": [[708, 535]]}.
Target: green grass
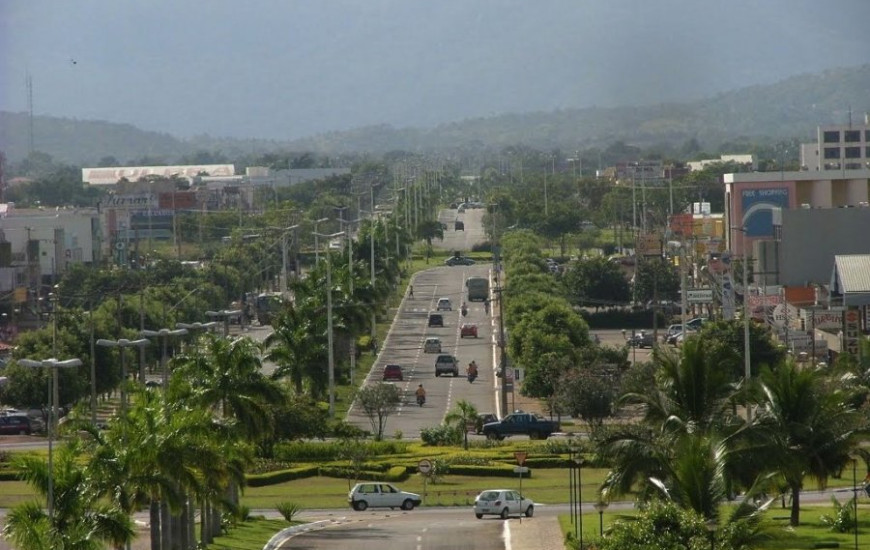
{"points": [[250, 535]]}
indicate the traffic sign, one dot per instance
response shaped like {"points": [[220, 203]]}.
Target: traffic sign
{"points": [[424, 466], [521, 470], [521, 457], [699, 295]]}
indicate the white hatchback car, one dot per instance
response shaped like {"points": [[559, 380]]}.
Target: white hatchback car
{"points": [[432, 345], [381, 495], [502, 502], [444, 304]]}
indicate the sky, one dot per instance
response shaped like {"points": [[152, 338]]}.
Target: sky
{"points": [[285, 69]]}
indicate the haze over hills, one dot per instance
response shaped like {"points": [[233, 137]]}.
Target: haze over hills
{"points": [[792, 108]]}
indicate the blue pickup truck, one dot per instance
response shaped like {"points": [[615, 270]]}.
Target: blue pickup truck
{"points": [[521, 423]]}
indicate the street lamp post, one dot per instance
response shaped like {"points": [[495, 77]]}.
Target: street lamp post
{"points": [[123, 344], [317, 244], [747, 372], [330, 352], [163, 334], [284, 259], [224, 315], [855, 495], [601, 506], [52, 364]]}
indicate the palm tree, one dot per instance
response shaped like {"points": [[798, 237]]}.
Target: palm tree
{"points": [[81, 519], [464, 414], [805, 427]]}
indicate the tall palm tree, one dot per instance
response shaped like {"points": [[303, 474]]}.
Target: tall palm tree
{"points": [[463, 414], [81, 519], [805, 427]]}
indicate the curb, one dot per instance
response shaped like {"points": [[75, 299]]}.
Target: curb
{"points": [[281, 536]]}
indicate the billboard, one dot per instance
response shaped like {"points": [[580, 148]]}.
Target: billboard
{"points": [[112, 175], [758, 206]]}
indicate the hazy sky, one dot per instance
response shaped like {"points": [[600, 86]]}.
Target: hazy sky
{"points": [[292, 68]]}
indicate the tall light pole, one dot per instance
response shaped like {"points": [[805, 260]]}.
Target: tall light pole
{"points": [[747, 372], [330, 352], [317, 244], [163, 334], [224, 315], [123, 344], [52, 364], [284, 259]]}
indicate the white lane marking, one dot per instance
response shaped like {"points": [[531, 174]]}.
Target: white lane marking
{"points": [[507, 535]]}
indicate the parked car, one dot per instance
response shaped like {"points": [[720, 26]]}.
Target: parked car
{"points": [[444, 304], [436, 320], [468, 330], [432, 345], [458, 260], [393, 372], [696, 323], [503, 503], [381, 495], [672, 332], [15, 425], [446, 364]]}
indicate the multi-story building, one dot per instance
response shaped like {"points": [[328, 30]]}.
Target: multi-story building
{"points": [[839, 147]]}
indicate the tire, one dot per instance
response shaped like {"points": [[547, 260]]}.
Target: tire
{"points": [[455, 373], [408, 504], [360, 505], [534, 435], [492, 436], [530, 511], [437, 374], [505, 514], [478, 516]]}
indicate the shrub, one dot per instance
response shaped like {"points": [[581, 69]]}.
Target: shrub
{"points": [[843, 520], [441, 436], [288, 510]]}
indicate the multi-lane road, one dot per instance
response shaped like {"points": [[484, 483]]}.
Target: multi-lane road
{"points": [[404, 342]]}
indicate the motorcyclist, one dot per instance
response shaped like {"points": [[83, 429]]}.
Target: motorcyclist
{"points": [[421, 394], [464, 309], [471, 371]]}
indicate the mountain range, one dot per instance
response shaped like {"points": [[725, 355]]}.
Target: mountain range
{"points": [[789, 109]]}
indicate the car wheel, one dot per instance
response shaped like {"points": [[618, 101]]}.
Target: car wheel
{"points": [[492, 436], [360, 505], [505, 514], [534, 435], [530, 511], [408, 504], [437, 374], [478, 516], [455, 373]]}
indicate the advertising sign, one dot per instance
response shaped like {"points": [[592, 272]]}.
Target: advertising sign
{"points": [[699, 295], [758, 206], [829, 319], [851, 331], [140, 201], [760, 306]]}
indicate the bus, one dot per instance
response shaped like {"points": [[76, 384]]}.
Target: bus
{"points": [[478, 289]]}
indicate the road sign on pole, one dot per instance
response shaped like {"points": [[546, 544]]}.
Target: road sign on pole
{"points": [[424, 466]]}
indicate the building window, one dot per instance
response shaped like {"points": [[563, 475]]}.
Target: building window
{"points": [[832, 152], [831, 136], [853, 136], [866, 135], [867, 152], [853, 152]]}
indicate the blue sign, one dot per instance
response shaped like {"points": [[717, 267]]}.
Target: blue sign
{"points": [[758, 205]]}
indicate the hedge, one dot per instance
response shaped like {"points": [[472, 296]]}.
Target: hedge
{"points": [[395, 474], [280, 476], [495, 470]]}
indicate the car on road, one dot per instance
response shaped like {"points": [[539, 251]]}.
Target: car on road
{"points": [[446, 364], [432, 345], [482, 418], [15, 425], [503, 503], [436, 320], [468, 330], [444, 305], [458, 225], [381, 495], [641, 340], [458, 260], [696, 323], [672, 332], [393, 372]]}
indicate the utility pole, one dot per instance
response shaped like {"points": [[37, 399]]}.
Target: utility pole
{"points": [[329, 329]]}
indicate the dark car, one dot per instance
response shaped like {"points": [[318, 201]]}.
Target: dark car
{"points": [[436, 320], [393, 372], [15, 425], [459, 260], [459, 226]]}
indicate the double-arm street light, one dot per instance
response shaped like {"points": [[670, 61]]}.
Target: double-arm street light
{"points": [[316, 243], [54, 365], [225, 315], [163, 334], [123, 344], [330, 352]]}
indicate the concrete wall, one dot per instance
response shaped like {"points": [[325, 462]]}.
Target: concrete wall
{"points": [[812, 237]]}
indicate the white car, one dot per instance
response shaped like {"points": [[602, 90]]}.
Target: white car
{"points": [[503, 503], [444, 304], [381, 495]]}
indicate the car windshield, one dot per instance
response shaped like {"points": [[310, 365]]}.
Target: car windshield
{"points": [[489, 496]]}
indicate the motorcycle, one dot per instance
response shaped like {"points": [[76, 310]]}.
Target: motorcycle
{"points": [[421, 399], [471, 377], [464, 311]]}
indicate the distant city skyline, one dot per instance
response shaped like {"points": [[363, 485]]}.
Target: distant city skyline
{"points": [[286, 70]]}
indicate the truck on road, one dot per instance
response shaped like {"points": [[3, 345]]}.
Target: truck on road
{"points": [[521, 423]]}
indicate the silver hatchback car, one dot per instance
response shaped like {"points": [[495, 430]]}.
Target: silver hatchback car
{"points": [[503, 503]]}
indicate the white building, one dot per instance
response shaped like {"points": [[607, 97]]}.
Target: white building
{"points": [[838, 147]]}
